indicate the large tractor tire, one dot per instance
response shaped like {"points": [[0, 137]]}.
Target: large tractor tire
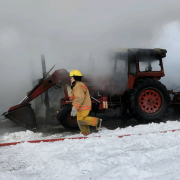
{"points": [[149, 100], [66, 120]]}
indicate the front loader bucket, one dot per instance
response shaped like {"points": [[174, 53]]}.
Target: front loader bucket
{"points": [[23, 116]]}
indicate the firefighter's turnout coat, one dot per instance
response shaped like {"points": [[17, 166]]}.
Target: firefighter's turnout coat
{"points": [[80, 97], [82, 102]]}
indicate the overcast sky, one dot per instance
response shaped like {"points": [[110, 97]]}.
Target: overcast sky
{"points": [[67, 31]]}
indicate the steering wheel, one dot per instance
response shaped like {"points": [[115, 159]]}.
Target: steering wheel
{"points": [[147, 69]]}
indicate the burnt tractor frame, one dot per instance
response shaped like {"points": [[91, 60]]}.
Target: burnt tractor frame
{"points": [[139, 92]]}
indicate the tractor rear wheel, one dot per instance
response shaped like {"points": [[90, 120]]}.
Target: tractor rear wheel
{"points": [[149, 100], [66, 120]]}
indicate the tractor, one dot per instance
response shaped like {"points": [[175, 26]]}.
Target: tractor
{"points": [[133, 86]]}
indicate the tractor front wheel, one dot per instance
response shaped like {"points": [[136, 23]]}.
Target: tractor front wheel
{"points": [[66, 120], [149, 100]]}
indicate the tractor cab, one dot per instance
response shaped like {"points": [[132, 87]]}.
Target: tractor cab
{"points": [[140, 63]]}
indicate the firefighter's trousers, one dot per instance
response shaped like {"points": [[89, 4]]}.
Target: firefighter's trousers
{"points": [[84, 121]]}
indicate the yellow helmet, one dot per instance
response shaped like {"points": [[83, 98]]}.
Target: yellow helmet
{"points": [[75, 73]]}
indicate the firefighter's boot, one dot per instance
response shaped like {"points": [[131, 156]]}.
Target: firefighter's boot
{"points": [[98, 126]]}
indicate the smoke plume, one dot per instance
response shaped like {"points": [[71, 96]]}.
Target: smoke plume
{"points": [[69, 32]]}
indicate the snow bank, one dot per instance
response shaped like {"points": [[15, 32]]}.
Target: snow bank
{"points": [[148, 157], [21, 136], [140, 129]]}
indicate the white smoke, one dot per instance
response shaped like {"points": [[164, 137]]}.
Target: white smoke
{"points": [[67, 31]]}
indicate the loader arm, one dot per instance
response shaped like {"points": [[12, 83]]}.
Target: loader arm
{"points": [[42, 86], [23, 113]]}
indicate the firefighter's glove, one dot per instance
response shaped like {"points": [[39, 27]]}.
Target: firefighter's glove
{"points": [[74, 112]]}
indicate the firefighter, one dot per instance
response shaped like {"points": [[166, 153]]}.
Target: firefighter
{"points": [[81, 104]]}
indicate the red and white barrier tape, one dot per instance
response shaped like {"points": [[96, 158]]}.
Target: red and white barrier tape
{"points": [[85, 137]]}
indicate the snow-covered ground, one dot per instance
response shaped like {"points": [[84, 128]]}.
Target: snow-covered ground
{"points": [[149, 156]]}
